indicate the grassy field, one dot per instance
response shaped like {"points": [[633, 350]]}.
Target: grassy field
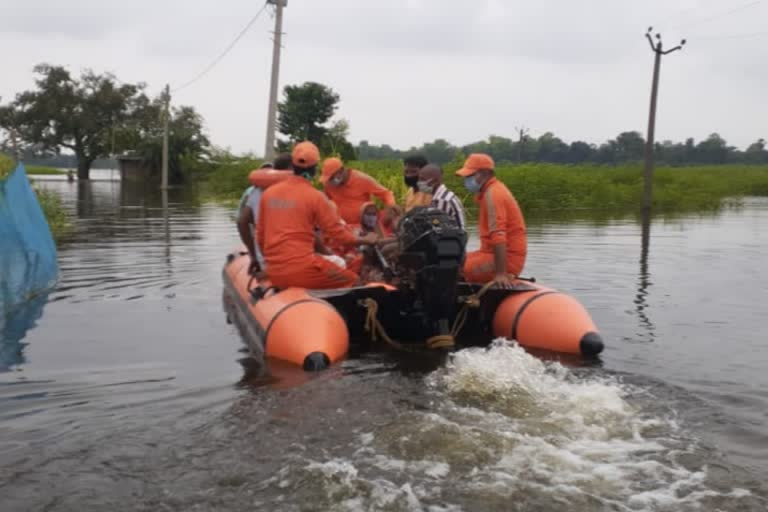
{"points": [[550, 187], [40, 170], [49, 202]]}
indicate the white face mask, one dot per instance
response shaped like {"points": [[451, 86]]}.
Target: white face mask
{"points": [[424, 187], [337, 179]]}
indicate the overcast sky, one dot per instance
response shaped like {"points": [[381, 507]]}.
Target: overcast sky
{"points": [[410, 71]]}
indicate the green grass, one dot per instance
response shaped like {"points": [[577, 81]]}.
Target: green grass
{"points": [[541, 188], [40, 170], [50, 203]]}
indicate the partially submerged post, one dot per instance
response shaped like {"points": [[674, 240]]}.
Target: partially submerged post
{"points": [[166, 113], [657, 48]]}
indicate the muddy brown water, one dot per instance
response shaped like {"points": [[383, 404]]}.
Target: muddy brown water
{"points": [[124, 389]]}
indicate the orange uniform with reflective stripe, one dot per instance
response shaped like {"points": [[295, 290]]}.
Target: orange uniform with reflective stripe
{"points": [[289, 212], [500, 222], [358, 190]]}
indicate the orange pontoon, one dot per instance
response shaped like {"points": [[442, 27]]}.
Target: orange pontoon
{"points": [[429, 302]]}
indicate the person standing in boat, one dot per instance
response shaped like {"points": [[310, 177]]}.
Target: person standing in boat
{"points": [[431, 182], [248, 214], [503, 244], [350, 189], [414, 197], [288, 214]]}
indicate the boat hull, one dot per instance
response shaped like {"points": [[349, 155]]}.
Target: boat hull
{"points": [[314, 328]]}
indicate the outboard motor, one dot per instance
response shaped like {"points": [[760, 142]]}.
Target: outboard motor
{"points": [[432, 251]]}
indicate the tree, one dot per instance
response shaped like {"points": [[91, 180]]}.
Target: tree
{"points": [[756, 153], [335, 141], [186, 138], [76, 114], [630, 146], [579, 152], [304, 112]]}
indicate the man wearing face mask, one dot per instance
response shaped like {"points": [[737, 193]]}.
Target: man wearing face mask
{"points": [[288, 213], [503, 244], [350, 189], [414, 197], [431, 182]]}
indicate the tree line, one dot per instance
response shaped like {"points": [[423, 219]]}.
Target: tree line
{"points": [[94, 116], [626, 147]]}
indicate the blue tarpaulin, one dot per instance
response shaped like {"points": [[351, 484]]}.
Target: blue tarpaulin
{"points": [[28, 264]]}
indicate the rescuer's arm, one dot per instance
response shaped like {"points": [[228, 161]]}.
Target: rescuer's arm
{"points": [[244, 228], [499, 225], [330, 224]]}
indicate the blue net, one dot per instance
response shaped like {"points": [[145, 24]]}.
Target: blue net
{"points": [[27, 251]]}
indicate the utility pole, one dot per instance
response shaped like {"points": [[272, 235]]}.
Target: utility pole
{"points": [[523, 132], [659, 51], [166, 114], [272, 111]]}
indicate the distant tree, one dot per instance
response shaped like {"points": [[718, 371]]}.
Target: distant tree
{"points": [[756, 153], [335, 141], [630, 146], [713, 150], [366, 151], [579, 152], [75, 114], [186, 138], [304, 111], [438, 151], [551, 149]]}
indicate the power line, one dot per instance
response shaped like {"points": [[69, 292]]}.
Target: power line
{"points": [[716, 16], [223, 54]]}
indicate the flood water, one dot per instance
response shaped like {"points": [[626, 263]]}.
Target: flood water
{"points": [[128, 390]]}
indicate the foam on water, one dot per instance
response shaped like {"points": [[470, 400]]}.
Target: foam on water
{"points": [[506, 431]]}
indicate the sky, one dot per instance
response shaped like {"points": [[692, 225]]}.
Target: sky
{"points": [[411, 71]]}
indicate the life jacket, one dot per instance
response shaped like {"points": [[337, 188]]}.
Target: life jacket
{"points": [[264, 178]]}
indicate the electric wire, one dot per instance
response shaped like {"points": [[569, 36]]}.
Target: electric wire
{"points": [[223, 54]]}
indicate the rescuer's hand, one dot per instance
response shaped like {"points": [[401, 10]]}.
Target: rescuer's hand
{"points": [[504, 280], [369, 239]]}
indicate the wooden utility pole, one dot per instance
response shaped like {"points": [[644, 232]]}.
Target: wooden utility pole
{"points": [[658, 50], [269, 148], [166, 114], [523, 132]]}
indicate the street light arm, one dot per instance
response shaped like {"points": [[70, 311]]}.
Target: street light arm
{"points": [[678, 47]]}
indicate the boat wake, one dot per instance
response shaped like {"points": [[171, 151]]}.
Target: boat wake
{"points": [[507, 431]]}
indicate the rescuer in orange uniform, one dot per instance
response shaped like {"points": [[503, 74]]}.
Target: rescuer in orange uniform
{"points": [[289, 212], [350, 189], [503, 244]]}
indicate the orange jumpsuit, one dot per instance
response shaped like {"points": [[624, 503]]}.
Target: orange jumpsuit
{"points": [[500, 222], [289, 212], [358, 190]]}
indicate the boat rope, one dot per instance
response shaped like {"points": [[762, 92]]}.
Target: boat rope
{"points": [[374, 328], [471, 302]]}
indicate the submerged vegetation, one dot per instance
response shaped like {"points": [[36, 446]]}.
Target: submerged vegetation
{"points": [[49, 202], [552, 187]]}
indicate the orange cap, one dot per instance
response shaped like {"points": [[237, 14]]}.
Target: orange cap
{"points": [[305, 154], [330, 167], [474, 163]]}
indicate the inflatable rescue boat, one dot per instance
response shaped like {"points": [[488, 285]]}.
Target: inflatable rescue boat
{"points": [[423, 305]]}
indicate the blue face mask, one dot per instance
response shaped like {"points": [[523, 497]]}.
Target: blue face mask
{"points": [[471, 184], [369, 221]]}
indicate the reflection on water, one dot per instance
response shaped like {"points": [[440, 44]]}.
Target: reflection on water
{"points": [[644, 277], [131, 391]]}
